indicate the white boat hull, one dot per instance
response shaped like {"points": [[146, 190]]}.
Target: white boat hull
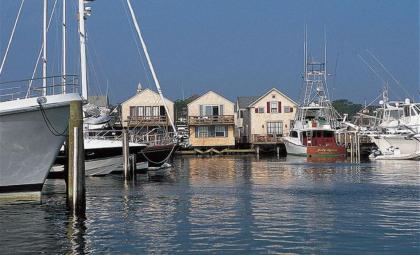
{"points": [[401, 147], [28, 147], [294, 148]]}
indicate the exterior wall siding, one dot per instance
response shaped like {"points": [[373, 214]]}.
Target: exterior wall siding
{"points": [[211, 98], [257, 122]]}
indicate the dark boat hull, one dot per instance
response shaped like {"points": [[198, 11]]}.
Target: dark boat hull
{"points": [[157, 155]]}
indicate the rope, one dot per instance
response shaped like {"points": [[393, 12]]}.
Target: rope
{"points": [[162, 161], [50, 125]]}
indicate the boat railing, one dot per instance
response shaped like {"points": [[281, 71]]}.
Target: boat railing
{"points": [[154, 138], [106, 134], [28, 88]]}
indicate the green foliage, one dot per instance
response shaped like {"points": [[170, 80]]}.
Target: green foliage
{"points": [[181, 107], [346, 106]]}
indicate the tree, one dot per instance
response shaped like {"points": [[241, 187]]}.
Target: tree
{"points": [[344, 106]]}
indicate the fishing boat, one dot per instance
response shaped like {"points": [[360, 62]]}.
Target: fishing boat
{"points": [[313, 132], [397, 135]]}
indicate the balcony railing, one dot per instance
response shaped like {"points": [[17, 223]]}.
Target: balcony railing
{"points": [[211, 120], [267, 138], [147, 120]]}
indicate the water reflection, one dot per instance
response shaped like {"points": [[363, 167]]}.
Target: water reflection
{"points": [[231, 205]]}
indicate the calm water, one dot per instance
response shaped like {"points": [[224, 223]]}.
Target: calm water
{"points": [[230, 205]]}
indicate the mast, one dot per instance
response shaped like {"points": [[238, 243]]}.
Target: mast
{"points": [[44, 50], [82, 40], [63, 74], [149, 62]]}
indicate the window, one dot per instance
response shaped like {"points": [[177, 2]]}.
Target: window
{"points": [[140, 111], [211, 110], [201, 131], [155, 111], [147, 111], [274, 107], [132, 111], [211, 131], [221, 131], [294, 134], [241, 114], [259, 110], [275, 128], [288, 109]]}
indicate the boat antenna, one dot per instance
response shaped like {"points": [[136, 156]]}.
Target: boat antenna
{"points": [[11, 37], [149, 62]]}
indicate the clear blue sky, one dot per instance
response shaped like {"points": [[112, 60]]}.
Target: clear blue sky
{"points": [[234, 47]]}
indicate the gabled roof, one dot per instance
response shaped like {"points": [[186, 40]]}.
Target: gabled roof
{"points": [[144, 90], [244, 102], [268, 92], [208, 92]]}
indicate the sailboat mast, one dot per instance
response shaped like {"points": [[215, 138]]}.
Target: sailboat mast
{"points": [[63, 78], [82, 39], [44, 50], [149, 62]]}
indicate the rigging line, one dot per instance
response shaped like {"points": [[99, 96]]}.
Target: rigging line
{"points": [[11, 37], [95, 56], [40, 52], [388, 72], [92, 66], [137, 45], [371, 68]]}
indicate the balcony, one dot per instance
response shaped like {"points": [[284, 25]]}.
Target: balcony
{"points": [[259, 139], [211, 120], [147, 120]]}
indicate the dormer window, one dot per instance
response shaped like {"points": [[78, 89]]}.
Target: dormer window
{"points": [[274, 107]]}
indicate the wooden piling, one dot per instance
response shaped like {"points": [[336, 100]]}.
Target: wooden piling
{"points": [[278, 150], [76, 191], [133, 166], [126, 152]]}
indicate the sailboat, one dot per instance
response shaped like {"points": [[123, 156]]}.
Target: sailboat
{"points": [[315, 124], [33, 126], [158, 153]]}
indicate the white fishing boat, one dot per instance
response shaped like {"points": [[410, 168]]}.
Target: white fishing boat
{"points": [[397, 136], [313, 131]]}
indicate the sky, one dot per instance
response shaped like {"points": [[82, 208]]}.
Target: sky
{"points": [[233, 47]]}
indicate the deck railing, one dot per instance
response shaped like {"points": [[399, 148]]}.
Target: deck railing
{"points": [[27, 88], [266, 138], [211, 120], [147, 120]]}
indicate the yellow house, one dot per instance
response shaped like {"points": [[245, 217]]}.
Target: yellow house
{"points": [[269, 117], [211, 121], [145, 111]]}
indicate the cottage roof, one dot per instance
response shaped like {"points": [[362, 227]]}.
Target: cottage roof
{"points": [[208, 92], [268, 92], [244, 102], [144, 90]]}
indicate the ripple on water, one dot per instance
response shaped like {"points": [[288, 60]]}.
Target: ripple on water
{"points": [[230, 205]]}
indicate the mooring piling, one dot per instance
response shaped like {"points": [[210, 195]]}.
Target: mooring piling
{"points": [[76, 191], [133, 165], [126, 153]]}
